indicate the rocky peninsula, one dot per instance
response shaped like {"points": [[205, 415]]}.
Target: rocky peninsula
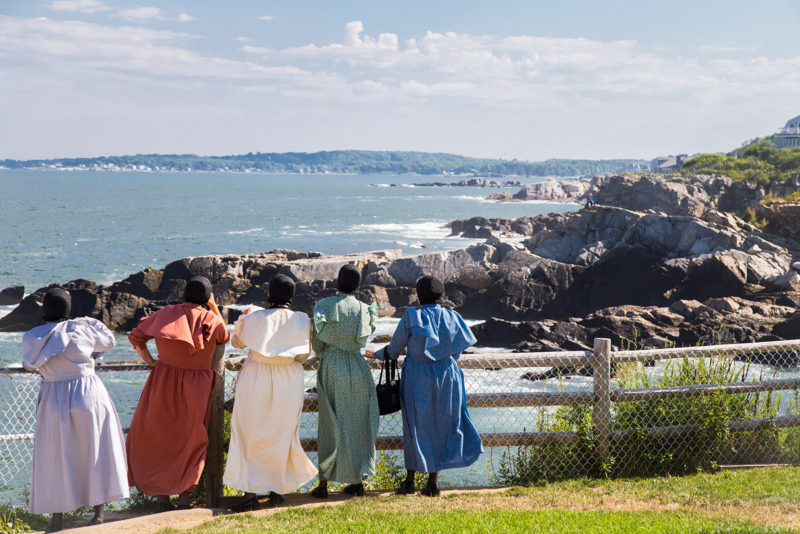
{"points": [[682, 270]]}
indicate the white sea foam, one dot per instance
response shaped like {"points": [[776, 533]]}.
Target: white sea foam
{"points": [[420, 230], [242, 232], [5, 310]]}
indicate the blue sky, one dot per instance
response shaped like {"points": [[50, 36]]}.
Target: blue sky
{"points": [[518, 79]]}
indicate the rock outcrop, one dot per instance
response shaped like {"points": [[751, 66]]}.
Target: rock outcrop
{"points": [[674, 195], [12, 295], [683, 274]]}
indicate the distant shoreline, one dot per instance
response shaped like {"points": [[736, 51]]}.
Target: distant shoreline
{"points": [[349, 162]]}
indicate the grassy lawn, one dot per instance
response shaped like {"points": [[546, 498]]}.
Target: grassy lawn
{"points": [[765, 500]]}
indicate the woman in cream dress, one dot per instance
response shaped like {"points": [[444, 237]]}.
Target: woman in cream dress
{"points": [[265, 454]]}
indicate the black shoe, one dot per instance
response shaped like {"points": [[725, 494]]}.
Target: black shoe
{"points": [[275, 499], [405, 488], [164, 507], [96, 520], [356, 490], [431, 491], [246, 506], [320, 492]]}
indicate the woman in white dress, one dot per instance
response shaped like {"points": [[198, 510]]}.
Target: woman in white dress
{"points": [[78, 448], [265, 454]]}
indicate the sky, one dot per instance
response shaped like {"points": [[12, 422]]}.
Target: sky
{"points": [[504, 79]]}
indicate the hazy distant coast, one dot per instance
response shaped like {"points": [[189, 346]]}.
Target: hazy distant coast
{"points": [[339, 162]]}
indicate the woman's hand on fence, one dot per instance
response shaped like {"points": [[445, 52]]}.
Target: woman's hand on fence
{"points": [[369, 353]]}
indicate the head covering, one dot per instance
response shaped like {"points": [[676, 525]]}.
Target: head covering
{"points": [[349, 278], [281, 290], [198, 290], [429, 290], [56, 305]]}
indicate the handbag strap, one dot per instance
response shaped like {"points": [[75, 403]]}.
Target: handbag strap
{"points": [[380, 375]]}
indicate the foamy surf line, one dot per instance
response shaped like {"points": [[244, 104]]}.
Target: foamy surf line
{"points": [[422, 230], [243, 232]]}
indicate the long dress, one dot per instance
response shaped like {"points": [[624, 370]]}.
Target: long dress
{"points": [[78, 447], [168, 436], [348, 406], [265, 453], [437, 431]]}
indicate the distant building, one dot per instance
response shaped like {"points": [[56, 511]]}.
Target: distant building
{"points": [[789, 135], [667, 164]]}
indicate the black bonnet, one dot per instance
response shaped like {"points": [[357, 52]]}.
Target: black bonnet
{"points": [[56, 305]]}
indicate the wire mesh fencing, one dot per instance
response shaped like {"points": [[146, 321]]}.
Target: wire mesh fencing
{"points": [[543, 415]]}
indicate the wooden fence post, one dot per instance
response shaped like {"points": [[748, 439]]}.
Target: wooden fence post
{"points": [[216, 431], [601, 407]]}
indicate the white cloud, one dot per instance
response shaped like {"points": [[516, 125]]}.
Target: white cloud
{"points": [[483, 91], [140, 14], [255, 50], [266, 17], [79, 6], [185, 17]]}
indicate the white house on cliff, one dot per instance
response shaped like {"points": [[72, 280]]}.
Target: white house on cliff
{"points": [[789, 135]]}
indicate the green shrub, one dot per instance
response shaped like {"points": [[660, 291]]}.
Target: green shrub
{"points": [[390, 472], [702, 445]]}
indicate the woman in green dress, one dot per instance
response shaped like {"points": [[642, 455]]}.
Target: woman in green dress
{"points": [[348, 407]]}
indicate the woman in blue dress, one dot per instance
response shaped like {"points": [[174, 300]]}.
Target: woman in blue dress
{"points": [[437, 431]]}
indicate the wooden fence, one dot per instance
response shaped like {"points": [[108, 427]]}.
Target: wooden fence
{"points": [[601, 397]]}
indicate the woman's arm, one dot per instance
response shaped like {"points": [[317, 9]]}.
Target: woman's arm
{"points": [[316, 343], [144, 354], [395, 347], [237, 331], [212, 305]]}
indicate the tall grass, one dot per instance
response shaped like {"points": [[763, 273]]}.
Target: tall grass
{"points": [[702, 444]]}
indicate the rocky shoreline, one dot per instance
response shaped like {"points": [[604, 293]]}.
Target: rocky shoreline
{"points": [[680, 274], [471, 182]]}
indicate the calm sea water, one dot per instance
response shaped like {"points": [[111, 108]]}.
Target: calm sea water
{"points": [[58, 226]]}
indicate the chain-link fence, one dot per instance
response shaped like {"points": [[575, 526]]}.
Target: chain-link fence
{"points": [[545, 415]]}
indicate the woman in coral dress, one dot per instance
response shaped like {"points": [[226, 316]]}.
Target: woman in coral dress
{"points": [[169, 432]]}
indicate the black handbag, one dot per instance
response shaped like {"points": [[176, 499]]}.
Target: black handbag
{"points": [[388, 392]]}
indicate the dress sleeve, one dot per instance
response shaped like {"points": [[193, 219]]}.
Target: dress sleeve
{"points": [[303, 357], [368, 316], [237, 331], [398, 342], [316, 343], [104, 338], [221, 334], [137, 337]]}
